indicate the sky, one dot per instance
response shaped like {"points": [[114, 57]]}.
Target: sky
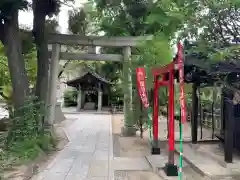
{"points": [[26, 17]]}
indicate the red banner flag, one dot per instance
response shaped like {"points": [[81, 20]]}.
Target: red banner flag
{"points": [[181, 81], [141, 84]]}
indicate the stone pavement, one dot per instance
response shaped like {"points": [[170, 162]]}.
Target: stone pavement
{"points": [[88, 154]]}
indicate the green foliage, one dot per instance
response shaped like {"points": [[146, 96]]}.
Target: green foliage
{"points": [[7, 7], [4, 72], [70, 98], [137, 113], [77, 21], [31, 65], [24, 151], [26, 138], [116, 96], [170, 16], [154, 53], [215, 29], [24, 122], [30, 149], [51, 25]]}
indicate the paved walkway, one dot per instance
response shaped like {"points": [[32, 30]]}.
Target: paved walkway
{"points": [[89, 153]]}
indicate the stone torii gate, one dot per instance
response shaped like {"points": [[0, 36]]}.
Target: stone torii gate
{"points": [[56, 40]]}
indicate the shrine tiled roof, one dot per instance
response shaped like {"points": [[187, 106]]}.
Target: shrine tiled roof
{"points": [[80, 79]]}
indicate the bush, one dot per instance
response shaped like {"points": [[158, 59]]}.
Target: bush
{"points": [[30, 149], [27, 138], [70, 98]]}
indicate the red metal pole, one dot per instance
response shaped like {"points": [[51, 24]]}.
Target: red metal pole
{"points": [[155, 110], [171, 117]]}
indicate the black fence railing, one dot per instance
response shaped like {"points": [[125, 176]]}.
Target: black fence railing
{"points": [[117, 108], [211, 120]]}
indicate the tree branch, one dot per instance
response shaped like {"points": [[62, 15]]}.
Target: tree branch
{"points": [[66, 4], [64, 67]]}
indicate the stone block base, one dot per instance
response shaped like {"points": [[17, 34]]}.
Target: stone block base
{"points": [[156, 151], [128, 131], [156, 147], [171, 170]]}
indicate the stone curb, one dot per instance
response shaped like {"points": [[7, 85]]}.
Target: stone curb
{"points": [[192, 165]]}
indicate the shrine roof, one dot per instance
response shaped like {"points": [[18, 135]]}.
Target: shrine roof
{"points": [[88, 77]]}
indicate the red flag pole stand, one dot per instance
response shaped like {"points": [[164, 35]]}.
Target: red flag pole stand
{"points": [[170, 168], [155, 144]]}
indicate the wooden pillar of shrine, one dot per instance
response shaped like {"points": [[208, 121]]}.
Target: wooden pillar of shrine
{"points": [[100, 95], [79, 99]]}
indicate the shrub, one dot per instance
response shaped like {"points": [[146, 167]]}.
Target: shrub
{"points": [[70, 98], [27, 138]]}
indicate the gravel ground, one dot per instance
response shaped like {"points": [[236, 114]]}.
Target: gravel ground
{"points": [[128, 146]]}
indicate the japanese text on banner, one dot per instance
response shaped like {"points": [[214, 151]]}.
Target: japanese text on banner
{"points": [[181, 80], [141, 84]]}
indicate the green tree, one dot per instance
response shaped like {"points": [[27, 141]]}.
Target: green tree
{"points": [[215, 29], [163, 19], [81, 22]]}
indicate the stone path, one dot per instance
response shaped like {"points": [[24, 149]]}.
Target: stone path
{"points": [[89, 153]]}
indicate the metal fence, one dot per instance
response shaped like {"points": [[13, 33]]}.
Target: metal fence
{"points": [[210, 113], [211, 120]]}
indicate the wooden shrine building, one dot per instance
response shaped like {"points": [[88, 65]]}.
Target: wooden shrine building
{"points": [[93, 91]]}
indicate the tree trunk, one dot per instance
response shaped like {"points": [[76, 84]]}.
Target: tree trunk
{"points": [[42, 54], [12, 45]]}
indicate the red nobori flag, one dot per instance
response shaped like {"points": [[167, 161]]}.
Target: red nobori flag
{"points": [[141, 85], [181, 80]]}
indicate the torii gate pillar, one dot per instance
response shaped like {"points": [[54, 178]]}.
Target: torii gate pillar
{"points": [[128, 129]]}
